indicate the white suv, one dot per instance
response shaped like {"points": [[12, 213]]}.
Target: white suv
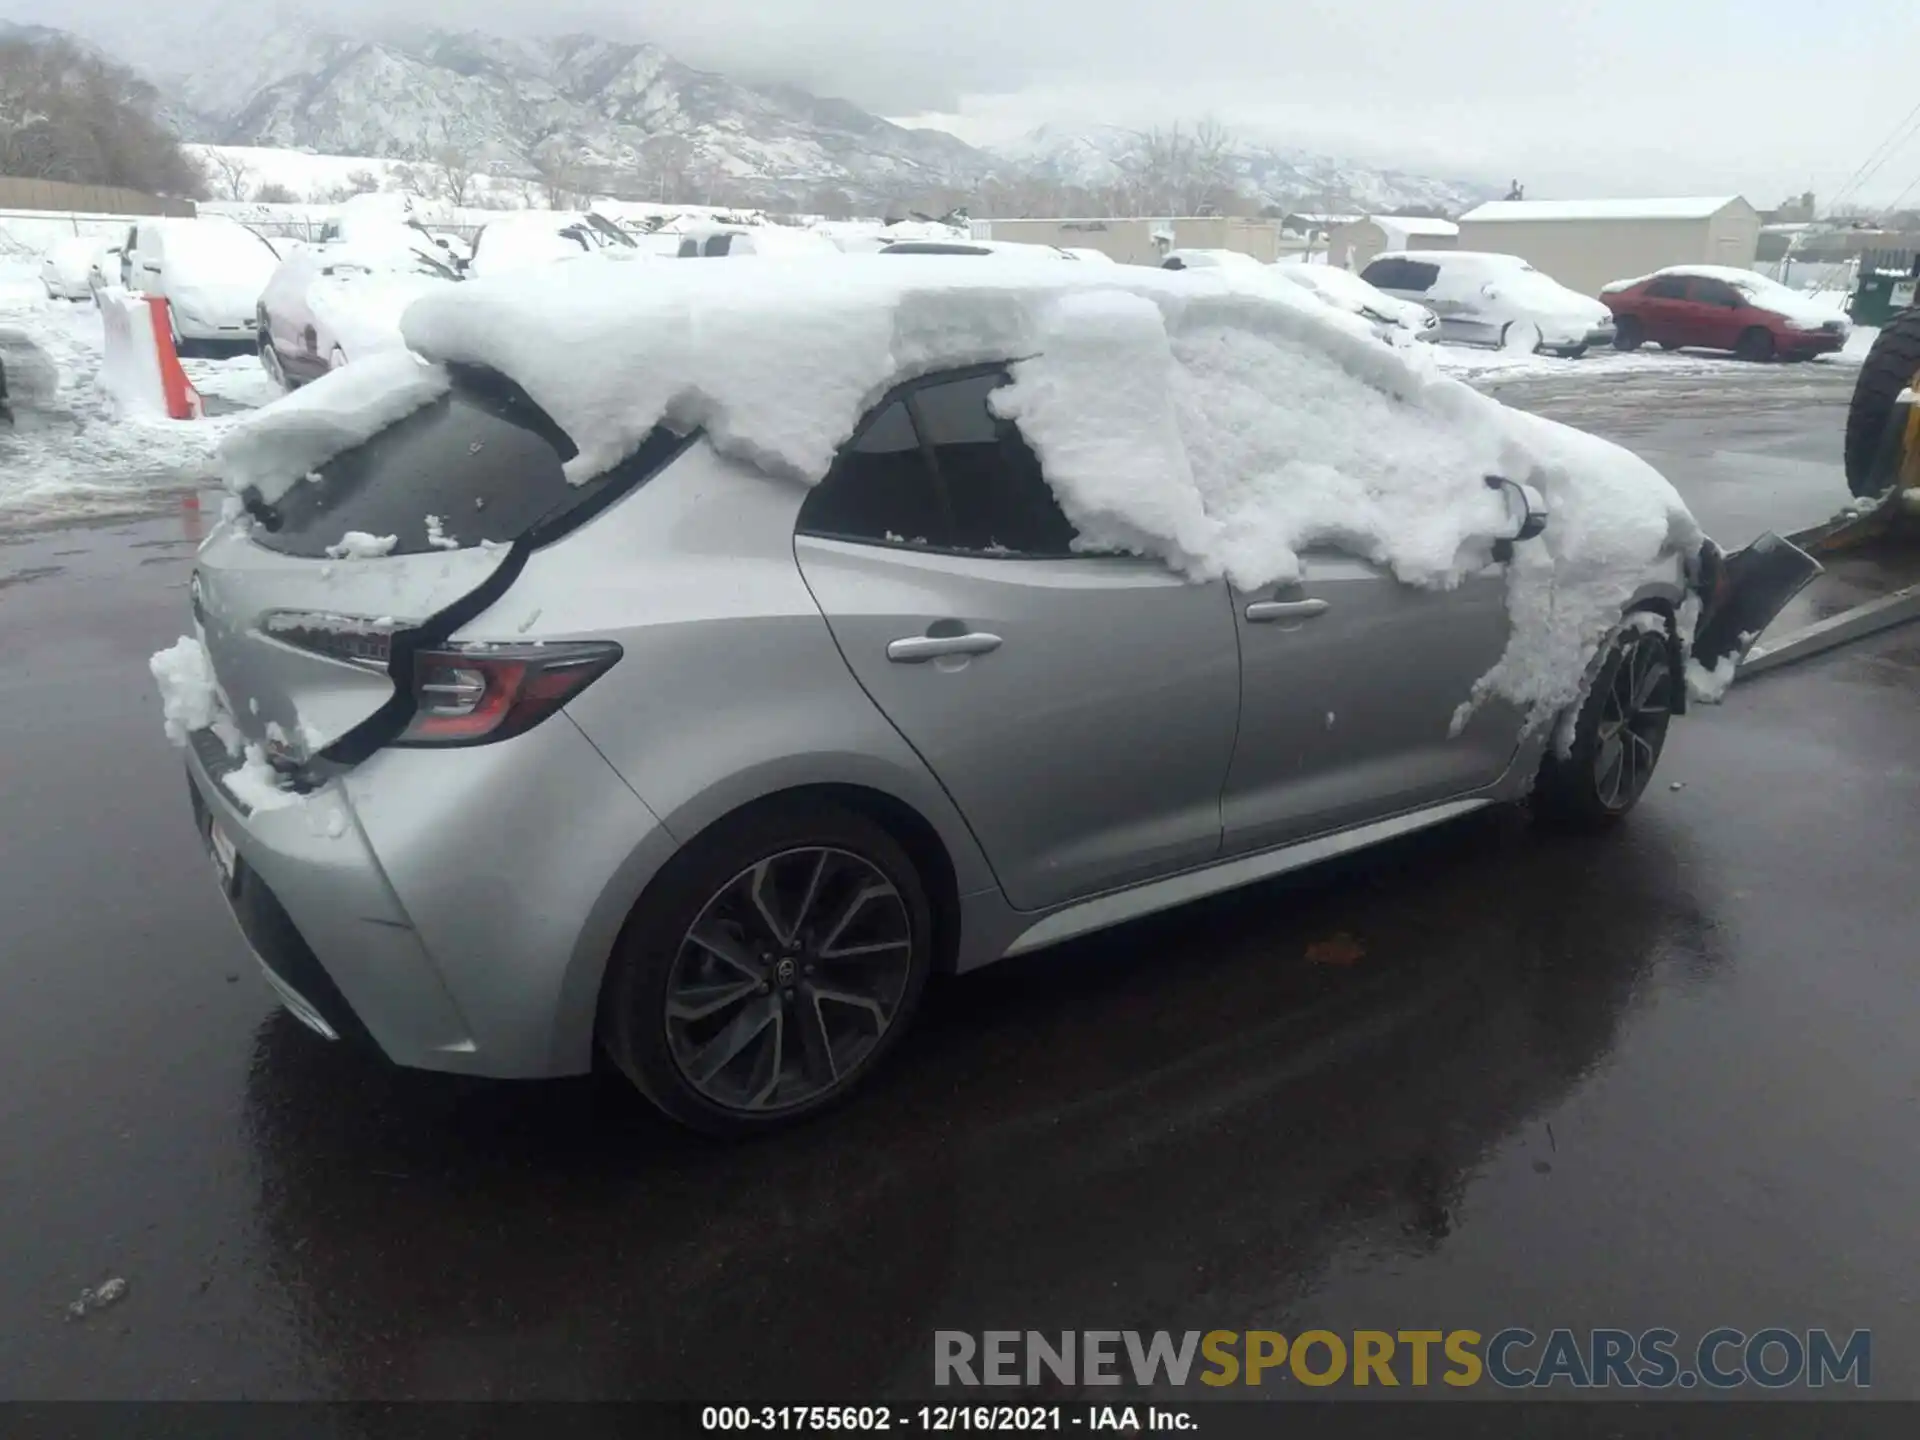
{"points": [[1488, 299]]}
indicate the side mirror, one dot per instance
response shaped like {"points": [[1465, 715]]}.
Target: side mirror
{"points": [[1526, 507]]}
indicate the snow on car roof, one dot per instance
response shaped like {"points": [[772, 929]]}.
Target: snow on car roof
{"points": [[1685, 207], [1219, 420], [1732, 274]]}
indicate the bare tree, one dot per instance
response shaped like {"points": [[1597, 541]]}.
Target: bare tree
{"points": [[229, 177], [455, 167], [416, 180], [68, 114], [1176, 171], [274, 193], [557, 167]]}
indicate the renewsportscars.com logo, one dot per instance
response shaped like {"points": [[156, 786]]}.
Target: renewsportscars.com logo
{"points": [[1514, 1358]]}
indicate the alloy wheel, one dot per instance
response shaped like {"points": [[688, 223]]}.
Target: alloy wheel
{"points": [[1633, 721], [784, 984]]}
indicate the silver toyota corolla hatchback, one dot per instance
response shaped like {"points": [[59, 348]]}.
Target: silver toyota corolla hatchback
{"points": [[714, 773]]}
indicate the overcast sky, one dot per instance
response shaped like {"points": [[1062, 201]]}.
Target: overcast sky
{"points": [[1620, 97]]}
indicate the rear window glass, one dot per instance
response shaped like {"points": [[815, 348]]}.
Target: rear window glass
{"points": [[483, 459]]}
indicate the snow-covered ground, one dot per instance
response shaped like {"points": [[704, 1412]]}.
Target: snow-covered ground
{"points": [[1486, 368], [74, 458]]}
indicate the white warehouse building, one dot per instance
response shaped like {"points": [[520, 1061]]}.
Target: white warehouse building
{"points": [[1354, 243], [1586, 243]]}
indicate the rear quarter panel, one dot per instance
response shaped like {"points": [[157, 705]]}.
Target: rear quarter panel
{"points": [[730, 688]]}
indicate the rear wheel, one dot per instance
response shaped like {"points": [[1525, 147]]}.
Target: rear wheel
{"points": [[1756, 343], [1629, 333], [1892, 365], [1522, 337], [769, 968], [1669, 344], [1617, 738]]}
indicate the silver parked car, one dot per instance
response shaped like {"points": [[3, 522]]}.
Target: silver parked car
{"points": [[714, 773]]}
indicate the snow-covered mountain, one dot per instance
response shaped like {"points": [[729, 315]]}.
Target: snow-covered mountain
{"points": [[280, 73]]}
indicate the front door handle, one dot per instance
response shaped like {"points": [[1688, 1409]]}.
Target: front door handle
{"points": [[916, 648], [1265, 610]]}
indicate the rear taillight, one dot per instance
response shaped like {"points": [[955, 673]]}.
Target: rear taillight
{"points": [[473, 695]]}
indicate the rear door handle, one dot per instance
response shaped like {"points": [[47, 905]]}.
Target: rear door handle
{"points": [[1264, 610], [916, 648]]}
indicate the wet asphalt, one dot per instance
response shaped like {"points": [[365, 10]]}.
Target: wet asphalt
{"points": [[1662, 1078]]}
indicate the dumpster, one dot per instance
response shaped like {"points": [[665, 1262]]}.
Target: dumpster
{"points": [[1885, 287]]}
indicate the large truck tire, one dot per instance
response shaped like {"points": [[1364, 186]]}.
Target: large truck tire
{"points": [[1890, 368]]}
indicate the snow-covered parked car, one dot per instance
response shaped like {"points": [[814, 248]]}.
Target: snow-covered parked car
{"points": [[708, 241], [530, 239], [1016, 249], [564, 682], [1392, 318], [210, 270], [1201, 259], [331, 303], [103, 269], [64, 270], [1488, 299]]}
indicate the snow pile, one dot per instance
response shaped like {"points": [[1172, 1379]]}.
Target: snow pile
{"points": [[189, 700], [1709, 687], [257, 785], [68, 454], [359, 545], [1216, 420], [275, 447]]}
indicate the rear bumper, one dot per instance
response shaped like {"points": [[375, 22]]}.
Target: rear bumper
{"points": [[395, 905]]}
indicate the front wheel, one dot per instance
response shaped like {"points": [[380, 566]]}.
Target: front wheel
{"points": [[271, 363], [1756, 344], [1617, 739], [769, 968], [1629, 333]]}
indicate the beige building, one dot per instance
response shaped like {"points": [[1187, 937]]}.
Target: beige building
{"points": [[1144, 241], [1586, 243], [1353, 244]]}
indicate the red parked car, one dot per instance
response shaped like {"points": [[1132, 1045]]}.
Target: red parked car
{"points": [[1717, 307]]}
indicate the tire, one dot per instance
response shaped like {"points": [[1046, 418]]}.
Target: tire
{"points": [[1522, 337], [710, 887], [1669, 344], [1629, 333], [1600, 781], [271, 363], [1890, 367], [1574, 352], [1755, 344]]}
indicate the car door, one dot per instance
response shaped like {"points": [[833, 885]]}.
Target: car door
{"points": [[1459, 298], [1080, 709], [1664, 312], [1715, 312], [1349, 684]]}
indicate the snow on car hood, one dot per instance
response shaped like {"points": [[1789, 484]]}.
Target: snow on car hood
{"points": [[215, 303], [1220, 422]]}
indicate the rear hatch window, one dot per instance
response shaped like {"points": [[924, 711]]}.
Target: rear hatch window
{"points": [[483, 461]]}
